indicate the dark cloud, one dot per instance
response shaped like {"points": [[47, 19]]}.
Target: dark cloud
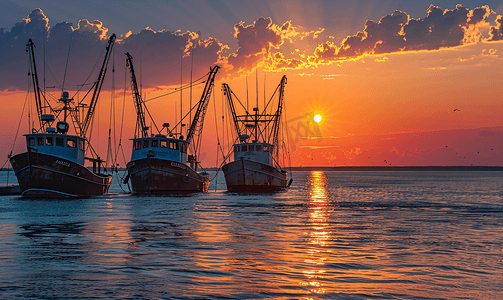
{"points": [[160, 53], [255, 42], [165, 54], [84, 43], [398, 32], [497, 31]]}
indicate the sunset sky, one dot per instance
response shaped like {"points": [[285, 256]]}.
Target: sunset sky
{"points": [[396, 82]]}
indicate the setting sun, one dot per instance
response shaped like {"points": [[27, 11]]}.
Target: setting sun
{"points": [[317, 118]]}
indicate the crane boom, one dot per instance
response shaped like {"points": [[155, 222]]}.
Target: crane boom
{"points": [[261, 127], [97, 87], [138, 101], [228, 93], [277, 123], [34, 77], [197, 122]]}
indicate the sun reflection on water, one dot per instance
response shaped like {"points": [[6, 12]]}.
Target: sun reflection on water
{"points": [[319, 234]]}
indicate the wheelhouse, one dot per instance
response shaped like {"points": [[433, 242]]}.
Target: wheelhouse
{"points": [[260, 152], [160, 147], [69, 147]]}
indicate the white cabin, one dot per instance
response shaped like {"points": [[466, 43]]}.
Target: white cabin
{"points": [[160, 147], [69, 147], [259, 152]]}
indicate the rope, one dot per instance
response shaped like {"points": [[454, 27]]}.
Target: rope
{"points": [[224, 161], [119, 146], [4, 164]]}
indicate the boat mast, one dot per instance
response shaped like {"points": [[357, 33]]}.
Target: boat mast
{"points": [[138, 101], [97, 88]]}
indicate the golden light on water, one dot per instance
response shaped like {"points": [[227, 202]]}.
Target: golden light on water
{"points": [[320, 234]]}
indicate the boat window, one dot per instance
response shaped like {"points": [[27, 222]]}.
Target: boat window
{"points": [[258, 148], [266, 148], [183, 147], [71, 143], [82, 145], [236, 148], [31, 141], [60, 142], [164, 144], [145, 143], [137, 145], [48, 141], [173, 145], [250, 147], [40, 141], [243, 148], [155, 143]]}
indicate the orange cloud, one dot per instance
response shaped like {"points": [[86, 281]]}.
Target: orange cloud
{"points": [[398, 33]]}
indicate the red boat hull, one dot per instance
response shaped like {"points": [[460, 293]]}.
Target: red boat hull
{"points": [[43, 175], [158, 176]]}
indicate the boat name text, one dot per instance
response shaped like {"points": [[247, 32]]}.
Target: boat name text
{"points": [[177, 165], [63, 163]]}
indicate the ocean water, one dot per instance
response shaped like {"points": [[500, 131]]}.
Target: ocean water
{"points": [[332, 235]]}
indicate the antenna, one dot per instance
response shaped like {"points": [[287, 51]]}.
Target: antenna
{"points": [[191, 65], [181, 89], [67, 59], [256, 83]]}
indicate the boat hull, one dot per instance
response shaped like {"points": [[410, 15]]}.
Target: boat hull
{"points": [[47, 176], [158, 176], [247, 176]]}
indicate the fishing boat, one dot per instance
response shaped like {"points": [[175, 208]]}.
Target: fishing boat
{"points": [[54, 163], [167, 162], [258, 151]]}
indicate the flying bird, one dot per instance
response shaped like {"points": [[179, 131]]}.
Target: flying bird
{"points": [[456, 109]]}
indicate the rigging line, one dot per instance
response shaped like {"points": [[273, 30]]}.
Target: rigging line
{"points": [[5, 163], [287, 139], [122, 117], [247, 113], [225, 159], [191, 67], [112, 113], [272, 97], [115, 104], [176, 91], [185, 116], [19, 125], [43, 51], [152, 119], [256, 84], [119, 180], [181, 84], [228, 125], [216, 124], [45, 65], [89, 76], [67, 59]]}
